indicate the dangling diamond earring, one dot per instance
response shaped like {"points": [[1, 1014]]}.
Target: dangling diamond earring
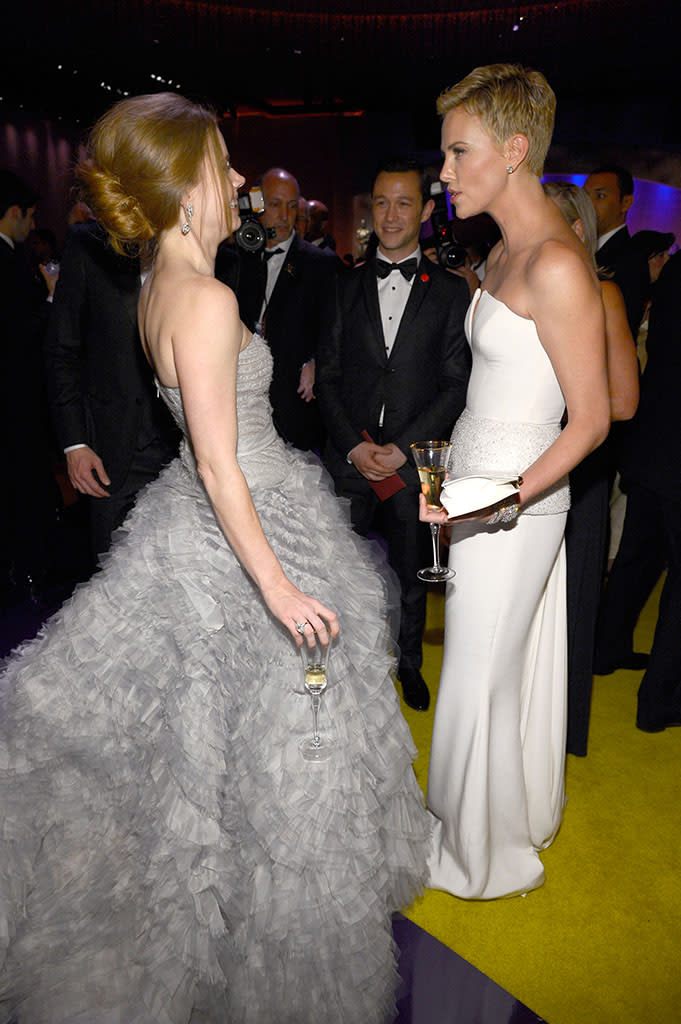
{"points": [[187, 226]]}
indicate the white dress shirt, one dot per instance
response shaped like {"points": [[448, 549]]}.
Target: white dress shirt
{"points": [[274, 265], [393, 293]]}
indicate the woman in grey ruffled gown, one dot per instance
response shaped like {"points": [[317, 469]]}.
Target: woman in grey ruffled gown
{"points": [[166, 855]]}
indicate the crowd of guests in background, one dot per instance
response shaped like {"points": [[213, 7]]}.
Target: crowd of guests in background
{"points": [[78, 399]]}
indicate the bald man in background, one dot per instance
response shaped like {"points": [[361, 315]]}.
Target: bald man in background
{"points": [[318, 228], [281, 293]]}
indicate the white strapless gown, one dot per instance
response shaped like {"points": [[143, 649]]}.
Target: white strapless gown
{"points": [[496, 781], [166, 855]]}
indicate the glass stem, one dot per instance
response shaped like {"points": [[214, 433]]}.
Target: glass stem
{"points": [[435, 537], [316, 701]]}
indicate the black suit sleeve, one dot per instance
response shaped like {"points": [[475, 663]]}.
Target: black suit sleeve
{"points": [[343, 433], [323, 269], [64, 347], [632, 276]]}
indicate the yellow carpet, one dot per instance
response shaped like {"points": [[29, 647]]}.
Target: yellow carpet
{"points": [[599, 942]]}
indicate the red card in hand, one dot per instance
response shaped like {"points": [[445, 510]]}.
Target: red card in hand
{"points": [[384, 489]]}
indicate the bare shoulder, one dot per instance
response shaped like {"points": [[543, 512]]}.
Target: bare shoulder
{"points": [[554, 259], [557, 271], [612, 295], [205, 324], [208, 296]]}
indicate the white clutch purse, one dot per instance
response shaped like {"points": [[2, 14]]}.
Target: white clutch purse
{"points": [[467, 494]]}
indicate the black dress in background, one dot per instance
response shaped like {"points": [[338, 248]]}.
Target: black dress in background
{"points": [[586, 540]]}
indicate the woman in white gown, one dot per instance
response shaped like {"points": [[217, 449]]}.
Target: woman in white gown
{"points": [[537, 339], [166, 854]]}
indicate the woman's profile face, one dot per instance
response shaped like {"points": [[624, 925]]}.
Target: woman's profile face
{"points": [[474, 167], [219, 186]]}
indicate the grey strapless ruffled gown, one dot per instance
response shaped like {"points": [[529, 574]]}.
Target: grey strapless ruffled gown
{"points": [[166, 855]]}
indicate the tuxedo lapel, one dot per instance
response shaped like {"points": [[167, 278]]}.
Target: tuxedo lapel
{"points": [[370, 293], [287, 277], [610, 252], [418, 292]]}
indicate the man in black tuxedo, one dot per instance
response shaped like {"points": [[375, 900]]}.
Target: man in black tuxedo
{"points": [[611, 190], [393, 361], [281, 293], [115, 431], [30, 496], [651, 470]]}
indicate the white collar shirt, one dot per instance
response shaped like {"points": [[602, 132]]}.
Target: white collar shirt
{"points": [[393, 293], [274, 265], [602, 239]]}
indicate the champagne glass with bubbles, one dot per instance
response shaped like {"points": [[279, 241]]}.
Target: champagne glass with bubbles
{"points": [[315, 662], [431, 458]]}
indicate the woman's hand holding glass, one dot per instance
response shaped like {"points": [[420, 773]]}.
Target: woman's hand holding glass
{"points": [[483, 515], [294, 608]]}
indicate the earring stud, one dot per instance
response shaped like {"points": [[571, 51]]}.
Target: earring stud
{"points": [[509, 169]]}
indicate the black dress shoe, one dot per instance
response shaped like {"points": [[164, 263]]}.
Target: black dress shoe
{"points": [[635, 661], [414, 689]]}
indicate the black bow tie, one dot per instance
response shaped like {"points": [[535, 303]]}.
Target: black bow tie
{"points": [[269, 253], [407, 268]]}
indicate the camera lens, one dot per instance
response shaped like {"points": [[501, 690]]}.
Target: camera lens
{"points": [[251, 236], [454, 256]]}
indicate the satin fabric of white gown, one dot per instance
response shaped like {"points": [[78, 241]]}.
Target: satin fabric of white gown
{"points": [[496, 779]]}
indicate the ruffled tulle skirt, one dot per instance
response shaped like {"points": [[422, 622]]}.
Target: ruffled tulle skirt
{"points": [[166, 855]]}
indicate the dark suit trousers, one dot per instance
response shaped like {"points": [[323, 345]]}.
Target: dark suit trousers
{"points": [[107, 514], [651, 536], [635, 571], [408, 540], [660, 689]]}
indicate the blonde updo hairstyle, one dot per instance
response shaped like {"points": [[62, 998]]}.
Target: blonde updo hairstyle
{"points": [[508, 99], [143, 155], [575, 204]]}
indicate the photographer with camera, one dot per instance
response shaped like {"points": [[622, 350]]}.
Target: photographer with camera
{"points": [[281, 284], [465, 258]]}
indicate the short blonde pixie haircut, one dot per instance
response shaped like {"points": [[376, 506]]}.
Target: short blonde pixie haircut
{"points": [[508, 98]]}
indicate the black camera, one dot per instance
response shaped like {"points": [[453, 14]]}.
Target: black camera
{"points": [[251, 235], [450, 253]]}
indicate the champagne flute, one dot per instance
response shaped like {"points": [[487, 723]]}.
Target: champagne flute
{"points": [[431, 458], [315, 660]]}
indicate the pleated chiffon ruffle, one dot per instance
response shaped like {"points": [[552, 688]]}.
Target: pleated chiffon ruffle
{"points": [[166, 855]]}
